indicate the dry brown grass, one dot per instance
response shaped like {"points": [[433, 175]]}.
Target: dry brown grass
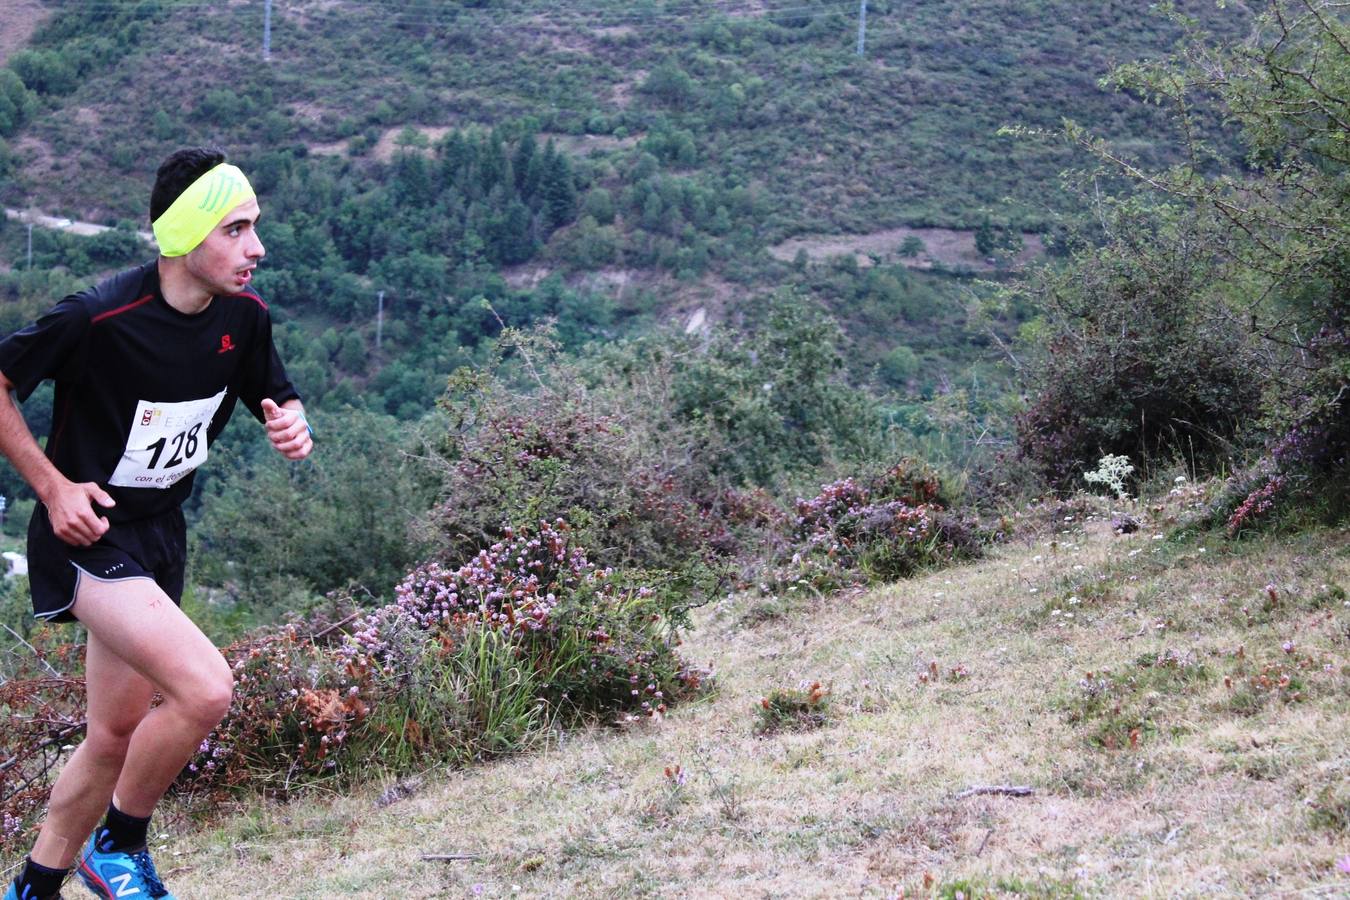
{"points": [[1213, 801]]}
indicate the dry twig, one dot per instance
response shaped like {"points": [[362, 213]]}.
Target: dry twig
{"points": [[1011, 790]]}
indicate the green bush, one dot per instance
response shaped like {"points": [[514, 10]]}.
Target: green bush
{"points": [[1137, 353], [272, 531]]}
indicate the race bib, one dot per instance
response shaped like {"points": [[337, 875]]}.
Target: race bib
{"points": [[167, 441]]}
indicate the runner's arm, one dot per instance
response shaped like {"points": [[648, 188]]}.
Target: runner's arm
{"points": [[288, 429], [69, 505]]}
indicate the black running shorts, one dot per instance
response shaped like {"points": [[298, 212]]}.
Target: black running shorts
{"points": [[154, 548]]}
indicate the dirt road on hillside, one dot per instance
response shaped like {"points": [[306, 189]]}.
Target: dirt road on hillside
{"points": [[946, 247], [58, 223]]}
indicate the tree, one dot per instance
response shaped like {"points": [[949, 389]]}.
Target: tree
{"points": [[670, 85], [558, 189]]}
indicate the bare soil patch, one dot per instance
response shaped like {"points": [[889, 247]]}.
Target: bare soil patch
{"points": [[18, 20], [59, 223], [331, 148], [946, 247], [621, 94], [615, 282], [388, 144]]}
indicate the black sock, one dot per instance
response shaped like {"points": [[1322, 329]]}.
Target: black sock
{"points": [[40, 882], [121, 831]]}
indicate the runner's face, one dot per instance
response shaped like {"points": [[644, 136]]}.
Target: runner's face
{"points": [[224, 261]]}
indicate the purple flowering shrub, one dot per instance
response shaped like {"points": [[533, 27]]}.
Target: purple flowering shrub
{"points": [[412, 678], [468, 660], [601, 638], [878, 528]]}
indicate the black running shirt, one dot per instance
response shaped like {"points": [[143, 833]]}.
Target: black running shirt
{"points": [[142, 390]]}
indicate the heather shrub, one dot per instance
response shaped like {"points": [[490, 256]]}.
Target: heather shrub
{"points": [[601, 638], [878, 527], [552, 453], [470, 660]]}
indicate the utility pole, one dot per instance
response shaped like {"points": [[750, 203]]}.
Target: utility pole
{"points": [[30, 245], [862, 26], [267, 29], [379, 321]]}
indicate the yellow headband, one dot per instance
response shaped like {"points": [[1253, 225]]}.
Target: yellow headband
{"points": [[190, 218]]}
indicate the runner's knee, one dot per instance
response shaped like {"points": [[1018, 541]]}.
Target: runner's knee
{"points": [[108, 740], [205, 696], [212, 701]]}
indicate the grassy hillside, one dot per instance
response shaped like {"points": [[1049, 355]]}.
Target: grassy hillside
{"points": [[1177, 708]]}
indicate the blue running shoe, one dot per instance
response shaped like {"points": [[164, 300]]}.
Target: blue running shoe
{"points": [[116, 874]]}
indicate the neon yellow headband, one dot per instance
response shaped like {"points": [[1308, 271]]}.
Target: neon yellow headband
{"points": [[190, 218]]}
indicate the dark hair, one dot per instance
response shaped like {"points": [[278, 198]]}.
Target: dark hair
{"points": [[178, 172]]}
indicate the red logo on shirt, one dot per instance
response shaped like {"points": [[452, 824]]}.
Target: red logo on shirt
{"points": [[226, 344]]}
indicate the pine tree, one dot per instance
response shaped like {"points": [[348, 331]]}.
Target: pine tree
{"points": [[558, 189], [525, 167]]}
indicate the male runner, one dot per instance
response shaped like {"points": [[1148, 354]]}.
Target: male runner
{"points": [[148, 366]]}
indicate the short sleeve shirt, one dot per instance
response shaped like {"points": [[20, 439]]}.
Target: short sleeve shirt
{"points": [[141, 389]]}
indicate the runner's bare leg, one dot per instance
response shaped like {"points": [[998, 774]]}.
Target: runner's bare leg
{"points": [[118, 699], [139, 642]]}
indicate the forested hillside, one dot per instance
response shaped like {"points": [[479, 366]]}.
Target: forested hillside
{"points": [[648, 153]]}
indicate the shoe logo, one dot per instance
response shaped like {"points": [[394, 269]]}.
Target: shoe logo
{"points": [[122, 883], [226, 344], [113, 569]]}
